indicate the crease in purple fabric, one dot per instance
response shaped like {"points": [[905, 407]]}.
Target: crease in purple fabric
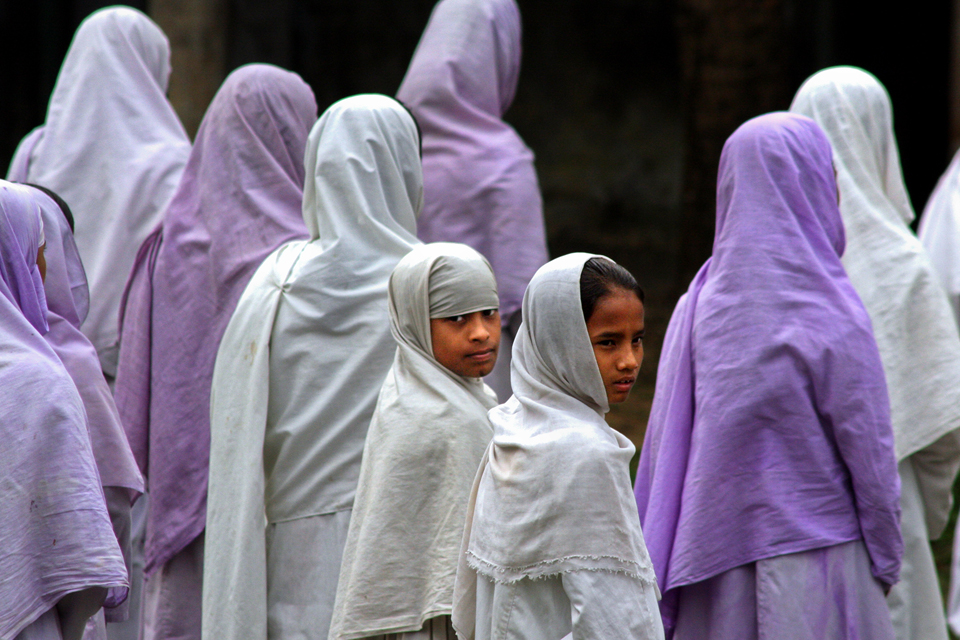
{"points": [[479, 181], [770, 429], [239, 199], [55, 533]]}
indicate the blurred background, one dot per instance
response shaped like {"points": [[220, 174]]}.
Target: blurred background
{"points": [[626, 103]]}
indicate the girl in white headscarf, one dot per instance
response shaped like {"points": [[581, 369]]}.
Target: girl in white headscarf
{"points": [[552, 546], [113, 149], [427, 436], [915, 329], [297, 377], [940, 236]]}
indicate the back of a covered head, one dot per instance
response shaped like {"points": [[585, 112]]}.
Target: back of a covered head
{"points": [[21, 235], [437, 280], [468, 59], [553, 360], [776, 184], [365, 183], [252, 140], [114, 49], [854, 110]]}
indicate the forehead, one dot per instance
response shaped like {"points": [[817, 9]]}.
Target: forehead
{"points": [[619, 311]]}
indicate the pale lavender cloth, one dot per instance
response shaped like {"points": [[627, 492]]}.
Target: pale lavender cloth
{"points": [[770, 428], [479, 183], [66, 292], [239, 199], [67, 295], [55, 533]]}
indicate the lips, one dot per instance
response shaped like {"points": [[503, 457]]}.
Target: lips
{"points": [[481, 356], [625, 384]]}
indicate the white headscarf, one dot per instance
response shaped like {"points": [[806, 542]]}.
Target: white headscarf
{"points": [[554, 493], [285, 445], [113, 149], [427, 437], [915, 330], [940, 232]]}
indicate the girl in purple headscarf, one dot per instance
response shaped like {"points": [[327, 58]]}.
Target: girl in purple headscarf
{"points": [[65, 288], [58, 554], [239, 199], [479, 183], [767, 487]]}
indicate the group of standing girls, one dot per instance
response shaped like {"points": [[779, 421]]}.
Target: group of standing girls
{"points": [[299, 442]]}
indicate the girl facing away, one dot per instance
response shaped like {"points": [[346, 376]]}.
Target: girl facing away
{"points": [[427, 437], [552, 546], [767, 483]]}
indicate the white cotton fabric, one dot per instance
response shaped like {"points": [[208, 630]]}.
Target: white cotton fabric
{"points": [[113, 149], [553, 494], [427, 437], [940, 232], [304, 356], [915, 329], [578, 604]]}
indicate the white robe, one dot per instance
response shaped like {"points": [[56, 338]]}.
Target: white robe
{"points": [[297, 377]]}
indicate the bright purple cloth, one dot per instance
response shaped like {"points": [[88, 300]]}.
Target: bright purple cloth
{"points": [[770, 428], [479, 183], [55, 534], [239, 199]]}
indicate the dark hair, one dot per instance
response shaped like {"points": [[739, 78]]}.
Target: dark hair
{"points": [[60, 203], [600, 276], [417, 125]]}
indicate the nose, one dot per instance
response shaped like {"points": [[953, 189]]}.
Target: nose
{"points": [[627, 360], [477, 331]]}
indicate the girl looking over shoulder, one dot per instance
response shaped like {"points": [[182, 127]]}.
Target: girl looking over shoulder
{"points": [[552, 546]]}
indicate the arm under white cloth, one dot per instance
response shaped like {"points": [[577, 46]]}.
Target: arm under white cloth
{"points": [[611, 606], [235, 563], [936, 468]]}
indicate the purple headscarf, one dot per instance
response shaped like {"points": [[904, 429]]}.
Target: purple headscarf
{"points": [[67, 302], [770, 428], [480, 187], [239, 199], [55, 534]]}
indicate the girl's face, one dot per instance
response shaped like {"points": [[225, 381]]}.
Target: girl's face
{"points": [[42, 263], [616, 333], [467, 344]]}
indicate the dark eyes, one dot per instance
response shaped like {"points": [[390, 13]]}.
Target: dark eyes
{"points": [[486, 313]]}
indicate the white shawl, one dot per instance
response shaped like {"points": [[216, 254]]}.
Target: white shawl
{"points": [[553, 494], [306, 351], [915, 330], [427, 436], [940, 232], [113, 149]]}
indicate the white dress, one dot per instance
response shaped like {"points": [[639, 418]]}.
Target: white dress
{"points": [[573, 605]]}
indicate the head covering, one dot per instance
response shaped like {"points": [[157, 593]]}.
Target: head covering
{"points": [[427, 436], [65, 286], [239, 199], [769, 432], [305, 354], [113, 148], [56, 536], [940, 232], [480, 186], [915, 330], [553, 493]]}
